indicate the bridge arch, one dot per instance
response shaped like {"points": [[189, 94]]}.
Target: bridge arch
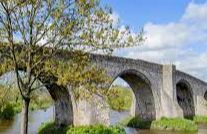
{"points": [[205, 95], [61, 98], [144, 106], [185, 99]]}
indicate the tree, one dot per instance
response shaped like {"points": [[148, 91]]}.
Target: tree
{"points": [[32, 32]]}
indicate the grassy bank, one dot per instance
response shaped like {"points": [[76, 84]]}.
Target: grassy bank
{"points": [[175, 124], [9, 110], [51, 128], [200, 119], [11, 103]]}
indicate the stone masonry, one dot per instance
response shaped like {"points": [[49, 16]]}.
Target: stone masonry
{"points": [[159, 90]]}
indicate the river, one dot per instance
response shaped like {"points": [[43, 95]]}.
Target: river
{"points": [[36, 118]]}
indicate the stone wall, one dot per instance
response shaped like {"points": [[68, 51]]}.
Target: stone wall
{"points": [[198, 88], [162, 80], [150, 73]]}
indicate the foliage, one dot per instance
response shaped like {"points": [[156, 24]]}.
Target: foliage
{"points": [[120, 98], [97, 129], [46, 28], [176, 124], [84, 78], [7, 112], [200, 119], [34, 32], [136, 122], [51, 128], [11, 103]]}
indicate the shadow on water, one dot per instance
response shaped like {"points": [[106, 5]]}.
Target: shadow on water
{"points": [[36, 118]]}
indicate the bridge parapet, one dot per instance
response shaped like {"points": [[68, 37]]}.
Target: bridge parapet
{"points": [[108, 60]]}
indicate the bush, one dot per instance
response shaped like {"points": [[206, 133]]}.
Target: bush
{"points": [[97, 129], [120, 98], [7, 112], [136, 122], [200, 119], [176, 124], [51, 128]]}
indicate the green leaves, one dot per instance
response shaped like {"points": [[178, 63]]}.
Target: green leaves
{"points": [[46, 28], [79, 73], [120, 98]]}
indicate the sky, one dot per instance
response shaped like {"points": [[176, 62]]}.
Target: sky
{"points": [[175, 32]]}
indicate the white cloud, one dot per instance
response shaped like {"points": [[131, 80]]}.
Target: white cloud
{"points": [[196, 12], [169, 35], [177, 42]]}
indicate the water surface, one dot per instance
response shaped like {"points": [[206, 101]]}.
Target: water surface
{"points": [[36, 118]]}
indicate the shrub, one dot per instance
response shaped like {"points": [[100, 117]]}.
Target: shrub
{"points": [[136, 122], [176, 124], [51, 128], [120, 98], [200, 119], [97, 129], [7, 112]]}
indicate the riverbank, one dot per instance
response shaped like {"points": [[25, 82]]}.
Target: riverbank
{"points": [[11, 102], [12, 108], [39, 117], [51, 128], [200, 119], [174, 124], [36, 119]]}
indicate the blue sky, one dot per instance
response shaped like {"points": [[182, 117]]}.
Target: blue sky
{"points": [[176, 32], [137, 13]]}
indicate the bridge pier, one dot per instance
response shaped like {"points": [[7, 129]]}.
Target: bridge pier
{"points": [[170, 107], [94, 110]]}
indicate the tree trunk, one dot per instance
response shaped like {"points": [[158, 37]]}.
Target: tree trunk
{"points": [[24, 116]]}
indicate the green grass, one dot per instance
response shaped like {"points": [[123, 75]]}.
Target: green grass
{"points": [[120, 98], [51, 128], [97, 129], [174, 124], [200, 119]]}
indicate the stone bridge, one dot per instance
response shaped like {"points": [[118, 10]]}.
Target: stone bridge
{"points": [[159, 90]]}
